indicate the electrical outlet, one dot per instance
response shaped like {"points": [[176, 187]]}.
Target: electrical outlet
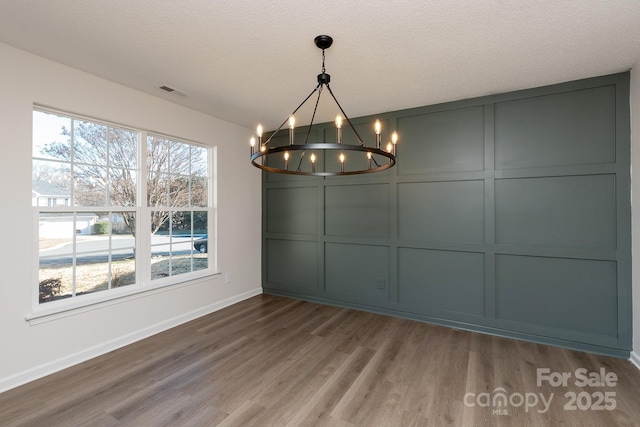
{"points": [[227, 278], [381, 283]]}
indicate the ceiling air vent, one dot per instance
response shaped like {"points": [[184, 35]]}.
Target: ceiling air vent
{"points": [[173, 91]]}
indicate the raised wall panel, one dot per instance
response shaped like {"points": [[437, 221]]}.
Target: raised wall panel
{"points": [[562, 293], [570, 211], [508, 214], [446, 141], [292, 264], [357, 273], [570, 128], [441, 211], [292, 210], [357, 210], [441, 280]]}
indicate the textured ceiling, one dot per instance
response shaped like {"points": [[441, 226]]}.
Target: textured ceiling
{"points": [[250, 61]]}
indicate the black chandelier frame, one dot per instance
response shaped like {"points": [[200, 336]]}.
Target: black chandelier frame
{"points": [[263, 151]]}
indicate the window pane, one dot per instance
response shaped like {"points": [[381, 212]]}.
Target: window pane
{"points": [[56, 236], [89, 143], [50, 184], [124, 223], [93, 230], [90, 185], [160, 245], [159, 223], [199, 161], [123, 148], [123, 271], [92, 272], [181, 224], [123, 187], [51, 136], [160, 265], [157, 154], [200, 222], [93, 244], [55, 278], [123, 265], [199, 195], [179, 191], [201, 241], [181, 242], [56, 232], [179, 158], [157, 190]]}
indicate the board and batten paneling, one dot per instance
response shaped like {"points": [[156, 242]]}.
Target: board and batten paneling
{"points": [[507, 214]]}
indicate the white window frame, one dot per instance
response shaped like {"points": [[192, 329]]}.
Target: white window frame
{"points": [[43, 312]]}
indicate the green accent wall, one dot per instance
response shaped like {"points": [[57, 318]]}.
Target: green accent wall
{"points": [[508, 214]]}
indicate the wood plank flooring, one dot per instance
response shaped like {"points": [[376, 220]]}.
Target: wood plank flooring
{"points": [[277, 361]]}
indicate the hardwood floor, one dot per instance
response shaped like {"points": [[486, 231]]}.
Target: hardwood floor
{"points": [[277, 361]]}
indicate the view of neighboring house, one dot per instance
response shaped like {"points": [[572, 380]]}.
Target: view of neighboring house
{"points": [[45, 193]]}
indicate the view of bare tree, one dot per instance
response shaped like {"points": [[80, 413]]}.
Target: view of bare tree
{"points": [[105, 165]]}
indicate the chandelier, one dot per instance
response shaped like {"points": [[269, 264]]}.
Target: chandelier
{"points": [[289, 158]]}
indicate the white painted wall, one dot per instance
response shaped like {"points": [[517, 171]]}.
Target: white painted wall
{"points": [[635, 211], [28, 352]]}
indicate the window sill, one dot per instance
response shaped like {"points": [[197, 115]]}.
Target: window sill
{"points": [[48, 314]]}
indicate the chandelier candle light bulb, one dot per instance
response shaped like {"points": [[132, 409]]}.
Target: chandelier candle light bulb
{"points": [[339, 129], [341, 162], [286, 160], [313, 162], [394, 140], [252, 142], [292, 125], [369, 159], [378, 129], [259, 133]]}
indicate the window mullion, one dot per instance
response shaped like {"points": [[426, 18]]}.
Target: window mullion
{"points": [[74, 257], [212, 207], [143, 220], [107, 191]]}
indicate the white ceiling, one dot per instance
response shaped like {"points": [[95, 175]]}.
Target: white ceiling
{"points": [[250, 61]]}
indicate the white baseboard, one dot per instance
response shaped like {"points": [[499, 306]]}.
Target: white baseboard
{"points": [[103, 348], [635, 359]]}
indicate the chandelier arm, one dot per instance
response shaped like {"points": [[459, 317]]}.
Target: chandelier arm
{"points": [[306, 140], [313, 116], [294, 111], [300, 162], [346, 117]]}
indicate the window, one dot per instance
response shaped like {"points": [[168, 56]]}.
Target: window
{"points": [[125, 209], [177, 187]]}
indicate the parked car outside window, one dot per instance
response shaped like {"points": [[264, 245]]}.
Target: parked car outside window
{"points": [[200, 244]]}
